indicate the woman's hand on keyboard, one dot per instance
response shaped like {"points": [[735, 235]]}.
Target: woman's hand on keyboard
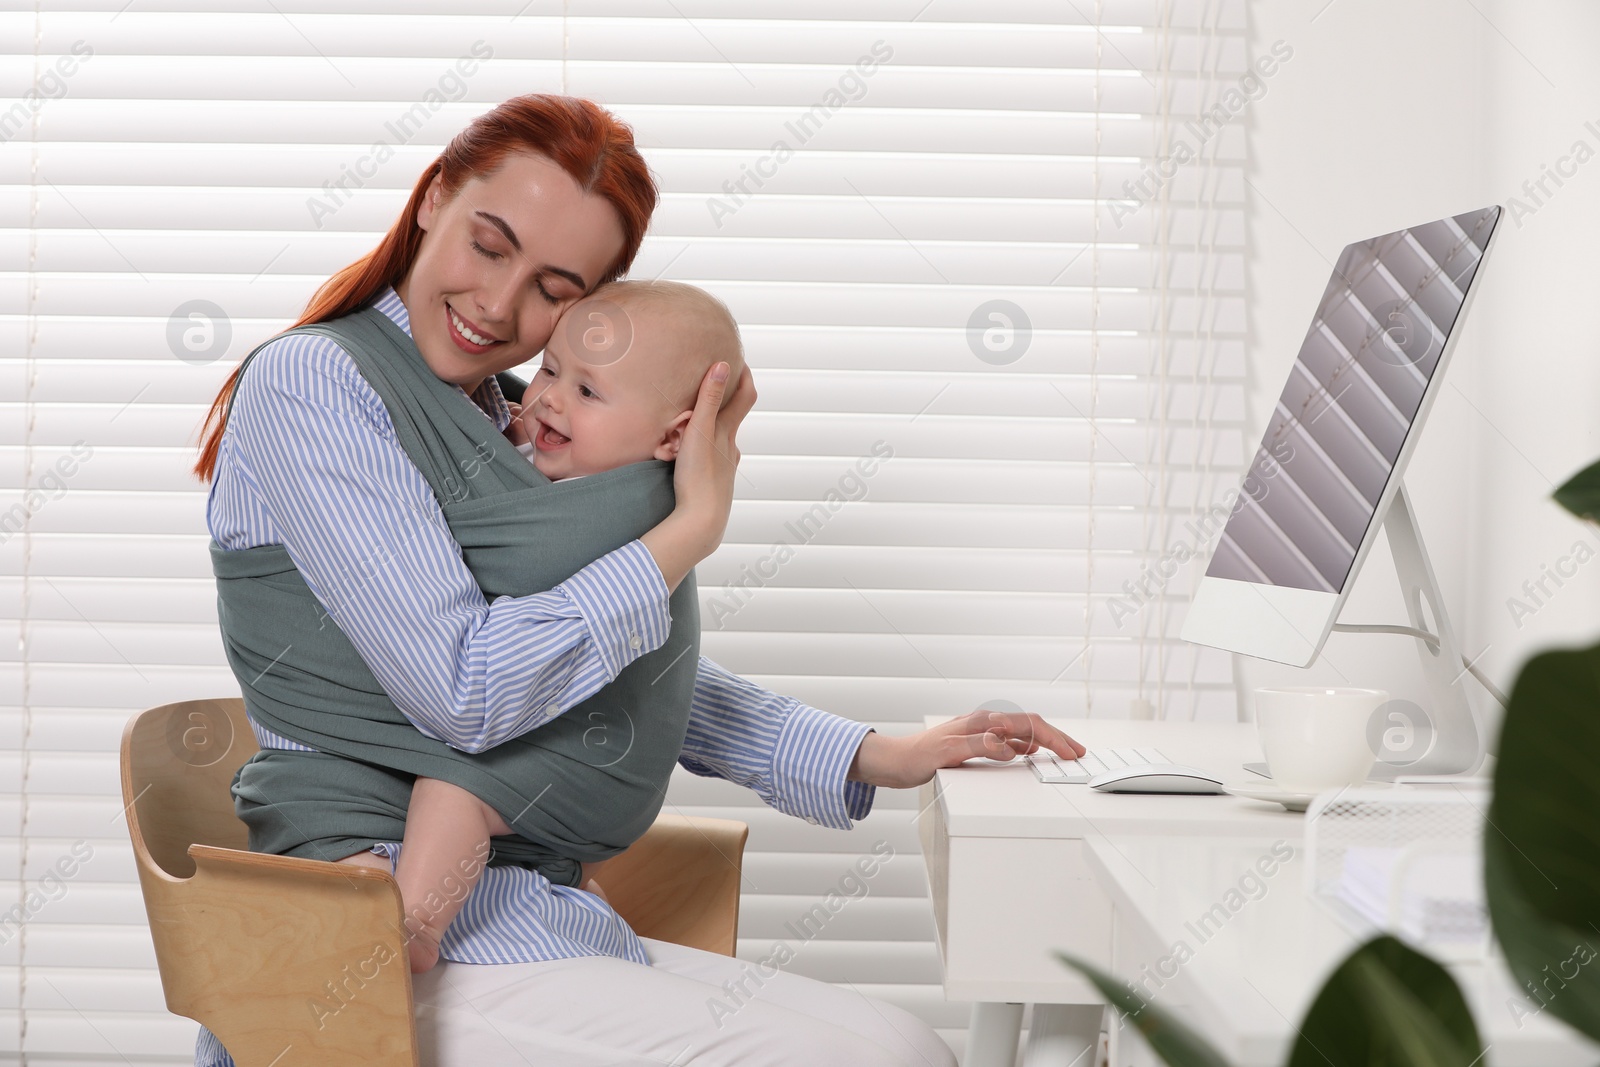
{"points": [[901, 762]]}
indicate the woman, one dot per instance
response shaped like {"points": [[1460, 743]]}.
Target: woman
{"points": [[527, 210]]}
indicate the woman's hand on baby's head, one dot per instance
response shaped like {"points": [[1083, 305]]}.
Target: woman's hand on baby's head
{"points": [[702, 477]]}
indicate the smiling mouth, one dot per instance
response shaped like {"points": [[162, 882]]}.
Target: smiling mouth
{"points": [[466, 333], [548, 438]]}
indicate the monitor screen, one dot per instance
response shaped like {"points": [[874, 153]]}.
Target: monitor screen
{"points": [[1349, 403]]}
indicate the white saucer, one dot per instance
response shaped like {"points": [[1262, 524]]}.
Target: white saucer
{"points": [[1273, 795]]}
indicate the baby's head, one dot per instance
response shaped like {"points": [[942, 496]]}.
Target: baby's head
{"points": [[621, 374]]}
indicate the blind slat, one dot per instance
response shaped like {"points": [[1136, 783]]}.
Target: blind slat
{"points": [[1223, 14], [750, 42]]}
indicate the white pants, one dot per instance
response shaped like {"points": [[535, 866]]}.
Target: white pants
{"points": [[599, 1011]]}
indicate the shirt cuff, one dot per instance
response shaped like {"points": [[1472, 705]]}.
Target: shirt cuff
{"points": [[809, 764], [623, 600]]}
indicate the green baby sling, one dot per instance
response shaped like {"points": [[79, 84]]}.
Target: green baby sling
{"points": [[580, 788]]}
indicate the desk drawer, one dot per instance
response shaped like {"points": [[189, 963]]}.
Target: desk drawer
{"points": [[1001, 905], [936, 860]]}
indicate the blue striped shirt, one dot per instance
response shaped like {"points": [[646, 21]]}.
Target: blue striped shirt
{"points": [[310, 460]]}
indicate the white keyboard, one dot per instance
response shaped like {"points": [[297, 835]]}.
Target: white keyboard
{"points": [[1053, 770]]}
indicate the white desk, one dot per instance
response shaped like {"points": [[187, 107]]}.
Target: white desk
{"points": [[1018, 868], [1251, 974]]}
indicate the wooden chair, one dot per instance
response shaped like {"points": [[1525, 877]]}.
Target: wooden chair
{"points": [[302, 962]]}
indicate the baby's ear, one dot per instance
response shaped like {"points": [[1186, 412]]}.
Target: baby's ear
{"points": [[672, 437]]}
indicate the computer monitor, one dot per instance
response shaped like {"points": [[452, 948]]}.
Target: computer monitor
{"points": [[1328, 473]]}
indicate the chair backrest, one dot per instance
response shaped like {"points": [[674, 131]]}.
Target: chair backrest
{"points": [[179, 760], [288, 961], [680, 882]]}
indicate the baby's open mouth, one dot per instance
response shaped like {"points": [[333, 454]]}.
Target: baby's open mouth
{"points": [[548, 438]]}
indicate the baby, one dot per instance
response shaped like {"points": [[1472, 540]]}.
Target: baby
{"points": [[617, 385]]}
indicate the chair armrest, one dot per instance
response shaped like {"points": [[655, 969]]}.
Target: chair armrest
{"points": [[273, 951], [680, 882]]}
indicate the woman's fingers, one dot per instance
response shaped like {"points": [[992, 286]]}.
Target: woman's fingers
{"points": [[702, 477], [968, 736], [706, 405], [735, 408], [1025, 729], [998, 746], [740, 403], [704, 471]]}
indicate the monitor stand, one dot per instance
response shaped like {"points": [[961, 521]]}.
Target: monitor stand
{"points": [[1453, 736]]}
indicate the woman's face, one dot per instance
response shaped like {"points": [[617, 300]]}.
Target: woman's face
{"points": [[500, 262]]}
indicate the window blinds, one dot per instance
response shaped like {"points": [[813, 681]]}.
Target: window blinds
{"points": [[988, 260]]}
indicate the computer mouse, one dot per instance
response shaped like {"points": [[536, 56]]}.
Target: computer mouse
{"points": [[1157, 778]]}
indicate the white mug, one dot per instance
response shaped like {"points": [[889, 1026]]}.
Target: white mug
{"points": [[1315, 737]]}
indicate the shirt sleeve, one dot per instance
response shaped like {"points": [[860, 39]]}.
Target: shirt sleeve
{"points": [[792, 755], [311, 439]]}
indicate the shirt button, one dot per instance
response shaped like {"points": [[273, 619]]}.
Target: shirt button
{"points": [[634, 642], [812, 819]]}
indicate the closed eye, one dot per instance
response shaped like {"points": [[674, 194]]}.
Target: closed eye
{"points": [[549, 297]]}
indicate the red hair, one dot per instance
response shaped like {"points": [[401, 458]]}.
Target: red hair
{"points": [[584, 139]]}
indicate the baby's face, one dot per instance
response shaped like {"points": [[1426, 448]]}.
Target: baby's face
{"points": [[585, 415]]}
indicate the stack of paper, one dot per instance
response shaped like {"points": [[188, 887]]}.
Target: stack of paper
{"points": [[1439, 898]]}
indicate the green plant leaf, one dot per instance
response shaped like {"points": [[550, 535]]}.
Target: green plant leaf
{"points": [[1580, 494], [1539, 938], [1388, 1004], [1542, 844], [1174, 1042]]}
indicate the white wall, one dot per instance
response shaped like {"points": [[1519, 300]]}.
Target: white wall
{"points": [[1375, 123], [1391, 114], [1538, 372]]}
